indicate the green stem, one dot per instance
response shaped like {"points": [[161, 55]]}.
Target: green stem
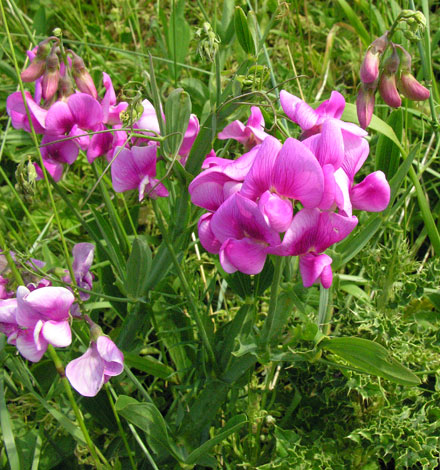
{"points": [[273, 302], [10, 261], [121, 429], [60, 369], [184, 283]]}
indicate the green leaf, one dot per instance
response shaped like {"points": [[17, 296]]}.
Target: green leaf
{"points": [[148, 418], [371, 358], [354, 20], [272, 330], [138, 268], [376, 124], [177, 113], [355, 291], [387, 152], [151, 366], [178, 36], [243, 32], [7, 431], [233, 425]]}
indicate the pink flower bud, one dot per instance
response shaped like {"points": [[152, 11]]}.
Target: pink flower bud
{"points": [[365, 105], [83, 80], [52, 76], [387, 84], [411, 88], [388, 90], [38, 65], [370, 66]]}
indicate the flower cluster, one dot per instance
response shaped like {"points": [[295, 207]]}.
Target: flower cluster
{"points": [[41, 314], [394, 79], [289, 199], [67, 110]]}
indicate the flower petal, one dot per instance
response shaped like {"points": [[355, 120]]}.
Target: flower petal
{"points": [[86, 373], [113, 357], [244, 255], [86, 111], [259, 178], [206, 236], [316, 267], [297, 174], [235, 130], [372, 194], [125, 174], [57, 333], [27, 348]]}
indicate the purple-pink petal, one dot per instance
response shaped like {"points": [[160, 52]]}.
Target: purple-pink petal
{"points": [[112, 356], [27, 348], [206, 236], [62, 152], [372, 194], [57, 333], [86, 111], [235, 130], [298, 111], [259, 178], [277, 211], [190, 135], [316, 267], [86, 373], [246, 256], [333, 107], [297, 174], [59, 119], [17, 111]]}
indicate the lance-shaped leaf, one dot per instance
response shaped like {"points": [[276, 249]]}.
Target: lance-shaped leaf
{"points": [[177, 113], [371, 358], [138, 268], [243, 32]]}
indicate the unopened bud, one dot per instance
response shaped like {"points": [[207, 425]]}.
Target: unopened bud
{"points": [[82, 77], [65, 86], [387, 84], [370, 66], [388, 90], [51, 76], [38, 65], [411, 88], [365, 105]]}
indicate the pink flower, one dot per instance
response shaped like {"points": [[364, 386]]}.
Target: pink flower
{"points": [[17, 111], [135, 168], [244, 235], [250, 134], [44, 313], [88, 373]]}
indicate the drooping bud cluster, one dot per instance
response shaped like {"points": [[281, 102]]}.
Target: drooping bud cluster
{"points": [[68, 112], [40, 315], [291, 199], [393, 77]]}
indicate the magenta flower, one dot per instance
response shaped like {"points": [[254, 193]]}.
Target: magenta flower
{"points": [[290, 171], [8, 320], [88, 373], [309, 235], [189, 137], [250, 134], [135, 168], [45, 315], [17, 112], [221, 178], [244, 235]]}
